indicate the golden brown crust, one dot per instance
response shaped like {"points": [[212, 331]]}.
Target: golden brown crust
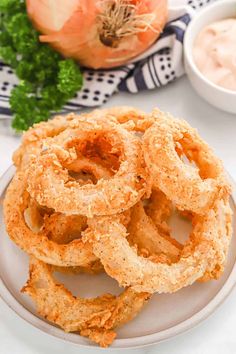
{"points": [[206, 251], [75, 253], [76, 175], [95, 318], [193, 189], [48, 179], [32, 139], [151, 239]]}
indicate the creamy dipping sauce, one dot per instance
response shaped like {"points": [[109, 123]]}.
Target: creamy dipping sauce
{"points": [[214, 53]]}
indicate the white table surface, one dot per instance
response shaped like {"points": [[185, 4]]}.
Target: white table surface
{"points": [[217, 334]]}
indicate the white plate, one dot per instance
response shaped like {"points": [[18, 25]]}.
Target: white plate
{"points": [[164, 316]]}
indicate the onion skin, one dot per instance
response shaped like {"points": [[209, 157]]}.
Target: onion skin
{"points": [[76, 29]]}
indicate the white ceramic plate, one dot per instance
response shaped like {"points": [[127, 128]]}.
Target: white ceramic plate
{"points": [[164, 316]]}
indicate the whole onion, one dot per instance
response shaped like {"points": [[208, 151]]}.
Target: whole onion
{"points": [[99, 33]]}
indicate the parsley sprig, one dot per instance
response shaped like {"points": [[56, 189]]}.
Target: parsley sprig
{"points": [[47, 81]]}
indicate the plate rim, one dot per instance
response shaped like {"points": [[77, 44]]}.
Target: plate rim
{"points": [[125, 343]]}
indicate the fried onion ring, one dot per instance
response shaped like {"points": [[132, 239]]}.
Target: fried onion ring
{"points": [[48, 179], [32, 138], [205, 251], [131, 118], [62, 230], [75, 253], [151, 238], [190, 188], [94, 318], [54, 238]]}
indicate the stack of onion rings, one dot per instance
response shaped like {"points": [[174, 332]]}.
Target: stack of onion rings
{"points": [[94, 192]]}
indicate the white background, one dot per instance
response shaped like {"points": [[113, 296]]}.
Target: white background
{"points": [[216, 335]]}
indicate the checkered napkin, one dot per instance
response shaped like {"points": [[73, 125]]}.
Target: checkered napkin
{"points": [[158, 66]]}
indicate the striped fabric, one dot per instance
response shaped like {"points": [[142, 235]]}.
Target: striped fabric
{"points": [[158, 66]]}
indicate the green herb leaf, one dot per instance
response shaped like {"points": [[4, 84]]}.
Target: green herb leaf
{"points": [[68, 77], [47, 80]]}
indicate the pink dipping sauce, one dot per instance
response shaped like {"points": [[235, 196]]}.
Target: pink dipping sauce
{"points": [[214, 53]]}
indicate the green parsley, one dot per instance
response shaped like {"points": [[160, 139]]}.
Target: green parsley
{"points": [[47, 81]]}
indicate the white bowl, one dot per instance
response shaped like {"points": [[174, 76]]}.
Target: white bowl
{"points": [[218, 96]]}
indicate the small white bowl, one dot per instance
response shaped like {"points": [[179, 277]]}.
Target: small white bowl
{"points": [[218, 96]]}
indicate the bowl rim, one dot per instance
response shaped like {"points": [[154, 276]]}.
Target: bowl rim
{"points": [[122, 343], [188, 57]]}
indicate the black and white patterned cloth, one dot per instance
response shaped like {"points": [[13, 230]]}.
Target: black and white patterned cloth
{"points": [[158, 66]]}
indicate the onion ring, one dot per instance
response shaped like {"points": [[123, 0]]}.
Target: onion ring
{"points": [[189, 188], [54, 239], [150, 238], [132, 119], [62, 230], [94, 318], [48, 178], [32, 138], [159, 208], [75, 253], [205, 252]]}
